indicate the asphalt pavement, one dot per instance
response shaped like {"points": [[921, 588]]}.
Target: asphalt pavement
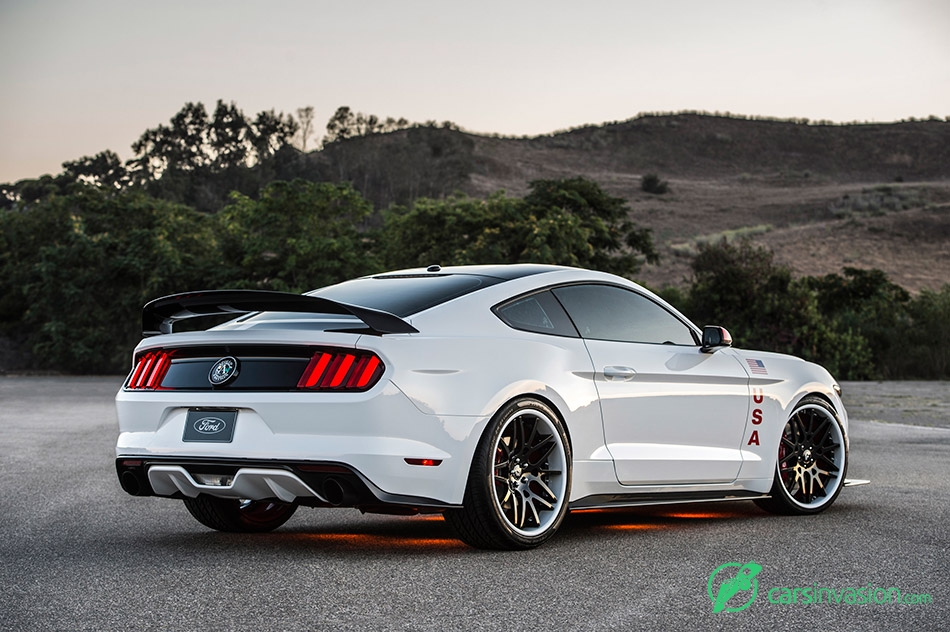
{"points": [[77, 553]]}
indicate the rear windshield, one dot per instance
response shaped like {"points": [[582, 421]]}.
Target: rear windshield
{"points": [[404, 295]]}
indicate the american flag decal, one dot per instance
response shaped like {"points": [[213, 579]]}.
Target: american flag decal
{"points": [[757, 366]]}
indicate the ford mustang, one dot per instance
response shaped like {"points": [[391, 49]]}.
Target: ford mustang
{"points": [[499, 396]]}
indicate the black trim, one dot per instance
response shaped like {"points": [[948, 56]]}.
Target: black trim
{"points": [[562, 324], [365, 495], [693, 329], [601, 501], [160, 315], [501, 271], [263, 368]]}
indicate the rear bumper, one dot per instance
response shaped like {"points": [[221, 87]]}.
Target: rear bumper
{"points": [[370, 434]]}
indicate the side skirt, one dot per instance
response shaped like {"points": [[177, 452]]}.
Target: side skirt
{"points": [[606, 501]]}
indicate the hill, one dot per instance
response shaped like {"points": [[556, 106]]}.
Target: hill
{"points": [[821, 196]]}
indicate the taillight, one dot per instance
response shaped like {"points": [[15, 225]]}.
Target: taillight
{"points": [[150, 370], [341, 371]]}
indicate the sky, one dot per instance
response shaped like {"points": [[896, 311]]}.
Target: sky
{"points": [[80, 77]]}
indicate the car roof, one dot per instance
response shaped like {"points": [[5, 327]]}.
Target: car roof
{"points": [[406, 292], [505, 272]]}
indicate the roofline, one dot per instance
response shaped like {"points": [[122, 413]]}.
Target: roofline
{"points": [[503, 271]]}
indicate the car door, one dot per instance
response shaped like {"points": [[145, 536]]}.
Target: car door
{"points": [[671, 413]]}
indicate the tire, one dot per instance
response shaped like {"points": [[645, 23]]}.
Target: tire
{"points": [[520, 480], [239, 516], [812, 461]]}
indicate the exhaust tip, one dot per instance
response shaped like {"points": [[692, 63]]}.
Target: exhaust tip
{"points": [[131, 483], [333, 491], [336, 492]]}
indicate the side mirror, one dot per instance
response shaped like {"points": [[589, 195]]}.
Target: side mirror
{"points": [[715, 337]]}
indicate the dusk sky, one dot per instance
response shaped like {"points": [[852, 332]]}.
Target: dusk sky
{"points": [[82, 77]]}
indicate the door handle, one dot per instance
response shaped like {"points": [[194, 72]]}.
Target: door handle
{"points": [[619, 373]]}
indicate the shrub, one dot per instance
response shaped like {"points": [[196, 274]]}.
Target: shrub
{"points": [[739, 286], [568, 222], [80, 266], [651, 183], [922, 348]]}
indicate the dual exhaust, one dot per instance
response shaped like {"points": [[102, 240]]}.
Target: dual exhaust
{"points": [[249, 483]]}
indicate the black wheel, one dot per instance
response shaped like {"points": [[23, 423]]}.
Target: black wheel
{"points": [[239, 515], [520, 481], [812, 461]]}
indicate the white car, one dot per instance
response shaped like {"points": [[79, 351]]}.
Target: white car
{"points": [[500, 396]]}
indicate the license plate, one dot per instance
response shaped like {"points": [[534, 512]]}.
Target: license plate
{"points": [[210, 426]]}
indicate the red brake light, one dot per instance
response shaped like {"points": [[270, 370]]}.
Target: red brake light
{"points": [[150, 370], [318, 364], [341, 371], [341, 365], [364, 372]]}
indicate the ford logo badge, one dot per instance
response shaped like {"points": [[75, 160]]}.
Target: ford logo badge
{"points": [[223, 371], [210, 425]]}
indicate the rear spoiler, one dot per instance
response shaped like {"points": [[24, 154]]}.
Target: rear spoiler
{"points": [[159, 316]]}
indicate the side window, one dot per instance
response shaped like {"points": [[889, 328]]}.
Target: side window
{"points": [[606, 312], [540, 313]]}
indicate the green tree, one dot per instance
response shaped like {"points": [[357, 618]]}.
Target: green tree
{"points": [[104, 170], [617, 244], [566, 222], [305, 118], [199, 159], [342, 125], [346, 124], [179, 147], [229, 137], [24, 193], [739, 286], [457, 231], [298, 236], [272, 131], [922, 348], [867, 303], [24, 231], [78, 268]]}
